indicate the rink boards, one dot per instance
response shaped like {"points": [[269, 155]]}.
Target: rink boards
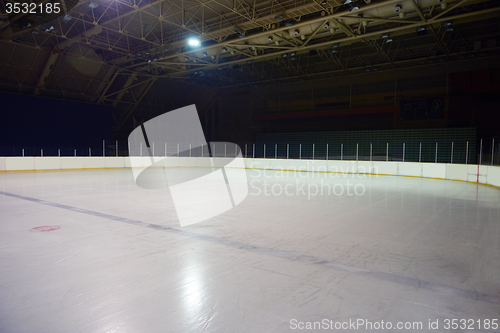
{"points": [[483, 174]]}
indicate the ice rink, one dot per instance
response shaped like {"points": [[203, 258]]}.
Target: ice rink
{"points": [[386, 249]]}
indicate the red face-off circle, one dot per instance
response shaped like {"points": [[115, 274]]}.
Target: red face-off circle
{"points": [[46, 228]]}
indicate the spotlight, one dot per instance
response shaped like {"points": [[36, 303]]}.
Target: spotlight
{"points": [[224, 50], [335, 45], [388, 40], [354, 8], [93, 5], [67, 18], [398, 8], [249, 61], [205, 54], [296, 32], [335, 51], [289, 24], [278, 18], [324, 2], [346, 2], [386, 35], [213, 57], [284, 55], [147, 53], [186, 58], [326, 26], [277, 42], [193, 42], [445, 24], [269, 39], [292, 54]]}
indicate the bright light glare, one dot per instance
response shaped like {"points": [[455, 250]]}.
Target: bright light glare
{"points": [[193, 42]]}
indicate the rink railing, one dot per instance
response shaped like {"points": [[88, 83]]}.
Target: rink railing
{"points": [[482, 174], [485, 152]]}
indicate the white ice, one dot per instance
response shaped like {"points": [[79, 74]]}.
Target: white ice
{"points": [[402, 250]]}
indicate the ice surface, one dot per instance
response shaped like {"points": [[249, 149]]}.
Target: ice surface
{"points": [[402, 250]]}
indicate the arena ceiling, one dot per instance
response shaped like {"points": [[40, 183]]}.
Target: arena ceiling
{"points": [[116, 51]]}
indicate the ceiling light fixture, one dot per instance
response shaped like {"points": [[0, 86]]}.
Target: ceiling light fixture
{"points": [[93, 5], [421, 31], [193, 42], [447, 26]]}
